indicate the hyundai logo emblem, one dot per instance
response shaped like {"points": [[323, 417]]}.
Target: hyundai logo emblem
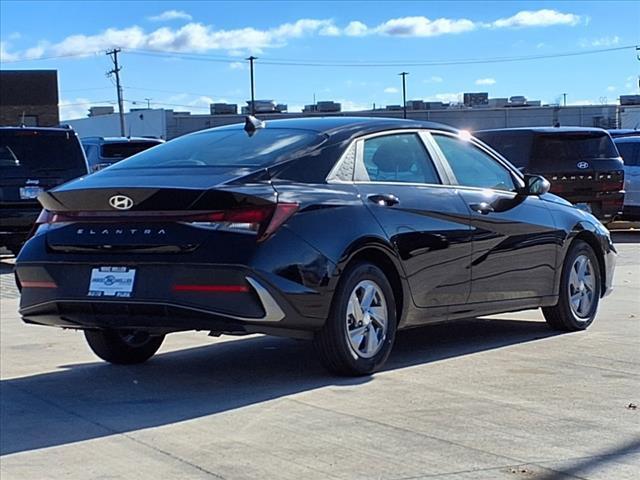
{"points": [[582, 165], [121, 202]]}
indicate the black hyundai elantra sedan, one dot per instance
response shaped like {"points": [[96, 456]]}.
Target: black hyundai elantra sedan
{"points": [[338, 230]]}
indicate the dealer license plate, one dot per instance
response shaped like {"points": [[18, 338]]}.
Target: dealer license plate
{"points": [[111, 282], [29, 193]]}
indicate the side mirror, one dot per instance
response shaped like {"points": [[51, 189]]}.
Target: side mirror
{"points": [[536, 185]]}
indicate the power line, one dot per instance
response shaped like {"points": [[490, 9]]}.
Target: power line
{"points": [[395, 63], [52, 57]]}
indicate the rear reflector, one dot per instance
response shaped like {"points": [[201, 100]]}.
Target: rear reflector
{"points": [[211, 288], [38, 284]]}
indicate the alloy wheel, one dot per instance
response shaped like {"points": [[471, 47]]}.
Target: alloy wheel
{"points": [[367, 319]]}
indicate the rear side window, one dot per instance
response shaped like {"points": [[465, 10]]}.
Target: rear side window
{"points": [[473, 167], [119, 151], [630, 153], [227, 148], [398, 158], [568, 148], [514, 146], [38, 153]]}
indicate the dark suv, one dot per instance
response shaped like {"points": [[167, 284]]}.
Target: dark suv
{"points": [[582, 164], [32, 160]]}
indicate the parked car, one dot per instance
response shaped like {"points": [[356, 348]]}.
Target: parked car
{"points": [[624, 132], [32, 160], [102, 152], [582, 164], [629, 148], [337, 230]]}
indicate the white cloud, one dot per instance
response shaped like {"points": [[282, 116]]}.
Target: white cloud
{"points": [[436, 79], [355, 29], [351, 106], [170, 15], [424, 27], [446, 97], [237, 66], [579, 103], [391, 90], [5, 55], [538, 18], [14, 36], [201, 101], [74, 108], [611, 88], [485, 81], [198, 38], [601, 42]]}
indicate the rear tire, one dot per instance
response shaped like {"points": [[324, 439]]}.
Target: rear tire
{"points": [[358, 335], [580, 288], [123, 347]]}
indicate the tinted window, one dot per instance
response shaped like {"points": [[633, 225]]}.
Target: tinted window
{"points": [[226, 148], [398, 158], [568, 148], [629, 152], [29, 153], [119, 151], [514, 146], [472, 167]]}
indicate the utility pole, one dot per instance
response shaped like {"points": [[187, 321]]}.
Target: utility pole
{"points": [[253, 98], [564, 102], [148, 103], [116, 71], [404, 93]]}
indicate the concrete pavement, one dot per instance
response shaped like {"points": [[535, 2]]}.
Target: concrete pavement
{"points": [[496, 398]]}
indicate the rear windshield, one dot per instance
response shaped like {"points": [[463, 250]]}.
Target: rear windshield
{"points": [[119, 151], [29, 153], [565, 149], [227, 148], [549, 150]]}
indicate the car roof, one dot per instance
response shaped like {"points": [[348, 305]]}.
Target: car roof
{"points": [[120, 139], [343, 126], [39, 129], [630, 139], [546, 130]]}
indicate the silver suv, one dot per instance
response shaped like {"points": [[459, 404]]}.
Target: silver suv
{"points": [[629, 148]]}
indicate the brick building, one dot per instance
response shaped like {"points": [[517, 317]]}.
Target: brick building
{"points": [[29, 97]]}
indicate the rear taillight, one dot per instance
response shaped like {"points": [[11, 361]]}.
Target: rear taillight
{"points": [[262, 220]]}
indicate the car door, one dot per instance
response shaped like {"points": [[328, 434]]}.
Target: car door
{"points": [[426, 221], [514, 237]]}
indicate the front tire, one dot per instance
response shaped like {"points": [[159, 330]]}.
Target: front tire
{"points": [[123, 347], [358, 335], [580, 288]]}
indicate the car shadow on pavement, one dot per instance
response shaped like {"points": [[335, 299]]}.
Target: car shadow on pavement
{"points": [[93, 400]]}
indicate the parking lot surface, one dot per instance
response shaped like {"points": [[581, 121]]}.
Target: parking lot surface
{"points": [[501, 397]]}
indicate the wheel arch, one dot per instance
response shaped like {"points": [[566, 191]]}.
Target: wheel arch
{"points": [[384, 257], [590, 238]]}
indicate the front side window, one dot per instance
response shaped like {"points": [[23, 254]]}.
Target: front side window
{"points": [[472, 167], [398, 158]]}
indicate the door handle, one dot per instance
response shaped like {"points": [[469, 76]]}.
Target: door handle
{"points": [[483, 208], [384, 199]]}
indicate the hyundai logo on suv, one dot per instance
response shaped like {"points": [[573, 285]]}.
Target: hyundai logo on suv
{"points": [[582, 165], [121, 202]]}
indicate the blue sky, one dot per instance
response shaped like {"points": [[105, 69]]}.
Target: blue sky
{"points": [[219, 35]]}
